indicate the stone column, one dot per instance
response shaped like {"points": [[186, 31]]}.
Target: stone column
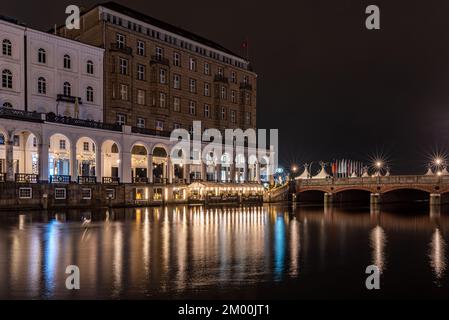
{"points": [[150, 168], [98, 164], [125, 167], [73, 165], [169, 170], [328, 198], [435, 199], [42, 150], [375, 198], [203, 171], [257, 169], [9, 155]]}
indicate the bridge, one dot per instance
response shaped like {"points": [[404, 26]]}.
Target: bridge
{"points": [[380, 189]]}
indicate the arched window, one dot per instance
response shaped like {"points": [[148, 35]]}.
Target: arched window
{"points": [[114, 148], [6, 79], [67, 89], [7, 47], [7, 105], [67, 62], [41, 85], [41, 56], [90, 67], [90, 94]]}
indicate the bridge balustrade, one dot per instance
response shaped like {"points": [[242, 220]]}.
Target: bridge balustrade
{"points": [[376, 180]]}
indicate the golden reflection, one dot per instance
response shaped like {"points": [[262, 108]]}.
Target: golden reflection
{"points": [[378, 242], [294, 247], [438, 254]]}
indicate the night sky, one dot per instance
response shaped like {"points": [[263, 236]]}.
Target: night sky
{"points": [[333, 88]]}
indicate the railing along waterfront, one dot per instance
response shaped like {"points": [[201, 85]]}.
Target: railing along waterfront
{"points": [[51, 117], [26, 178]]}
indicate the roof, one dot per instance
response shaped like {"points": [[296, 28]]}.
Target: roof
{"points": [[165, 26]]}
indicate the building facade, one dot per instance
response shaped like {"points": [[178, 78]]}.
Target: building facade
{"points": [[46, 73], [158, 76]]}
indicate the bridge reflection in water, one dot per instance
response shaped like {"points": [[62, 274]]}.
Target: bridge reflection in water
{"points": [[190, 252]]}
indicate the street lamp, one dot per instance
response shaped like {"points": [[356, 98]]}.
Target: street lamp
{"points": [[378, 165]]}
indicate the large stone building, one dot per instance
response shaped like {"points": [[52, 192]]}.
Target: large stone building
{"points": [[161, 77], [46, 73]]}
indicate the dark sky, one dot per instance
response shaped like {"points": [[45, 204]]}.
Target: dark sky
{"points": [[333, 88]]}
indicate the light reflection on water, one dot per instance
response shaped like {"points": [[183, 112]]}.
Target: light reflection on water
{"points": [[222, 252]]}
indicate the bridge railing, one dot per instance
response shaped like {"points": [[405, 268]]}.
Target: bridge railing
{"points": [[406, 179]]}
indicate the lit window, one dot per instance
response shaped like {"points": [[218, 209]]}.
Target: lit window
{"points": [[123, 66], [206, 69], [86, 146], [159, 53], [206, 89], [176, 59], [60, 193], [176, 81], [206, 110], [192, 108], [120, 40], [123, 92], [141, 97], [162, 76], [67, 62], [41, 56], [159, 125], [90, 67], [140, 123], [233, 96], [7, 79], [220, 71], [223, 92], [176, 104], [192, 64], [121, 119], [192, 85], [140, 72], [162, 101], [62, 144], [41, 85], [140, 48], [25, 193], [7, 47]]}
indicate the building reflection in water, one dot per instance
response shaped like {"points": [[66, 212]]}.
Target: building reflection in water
{"points": [[378, 241], [438, 254]]}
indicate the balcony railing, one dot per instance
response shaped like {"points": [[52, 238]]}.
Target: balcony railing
{"points": [[179, 181], [60, 179], [51, 117], [160, 60], [87, 179], [8, 113], [160, 180], [140, 179], [150, 132], [111, 180], [121, 48], [2, 177], [69, 99], [246, 86], [26, 178], [221, 78]]}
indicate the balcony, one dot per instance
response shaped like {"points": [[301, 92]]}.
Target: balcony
{"points": [[179, 181], [51, 117], [87, 179], [140, 179], [160, 180], [221, 78], [60, 179], [151, 132], [246, 86], [159, 60], [121, 48], [69, 99], [14, 114], [111, 180], [26, 178]]}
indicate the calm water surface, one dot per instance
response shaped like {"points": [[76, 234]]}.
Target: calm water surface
{"points": [[273, 252]]}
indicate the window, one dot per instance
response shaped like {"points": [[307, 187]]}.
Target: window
{"points": [[176, 126], [7, 105], [140, 48], [140, 72], [233, 96], [90, 94], [159, 53], [67, 62], [192, 64], [176, 104], [141, 97], [140, 123], [220, 71], [162, 102], [16, 141], [86, 193], [162, 76], [233, 118], [247, 99], [123, 66], [25, 193], [176, 59], [41, 56], [206, 89], [206, 69], [192, 85], [206, 111], [60, 193], [123, 92], [110, 194], [34, 142], [86, 146], [192, 107], [6, 79], [176, 81], [159, 125], [90, 67], [223, 113], [248, 117], [67, 90], [41, 85], [245, 80], [62, 144], [223, 92], [7, 47], [121, 119], [120, 41], [233, 77]]}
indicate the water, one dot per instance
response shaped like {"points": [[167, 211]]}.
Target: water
{"points": [[274, 252]]}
